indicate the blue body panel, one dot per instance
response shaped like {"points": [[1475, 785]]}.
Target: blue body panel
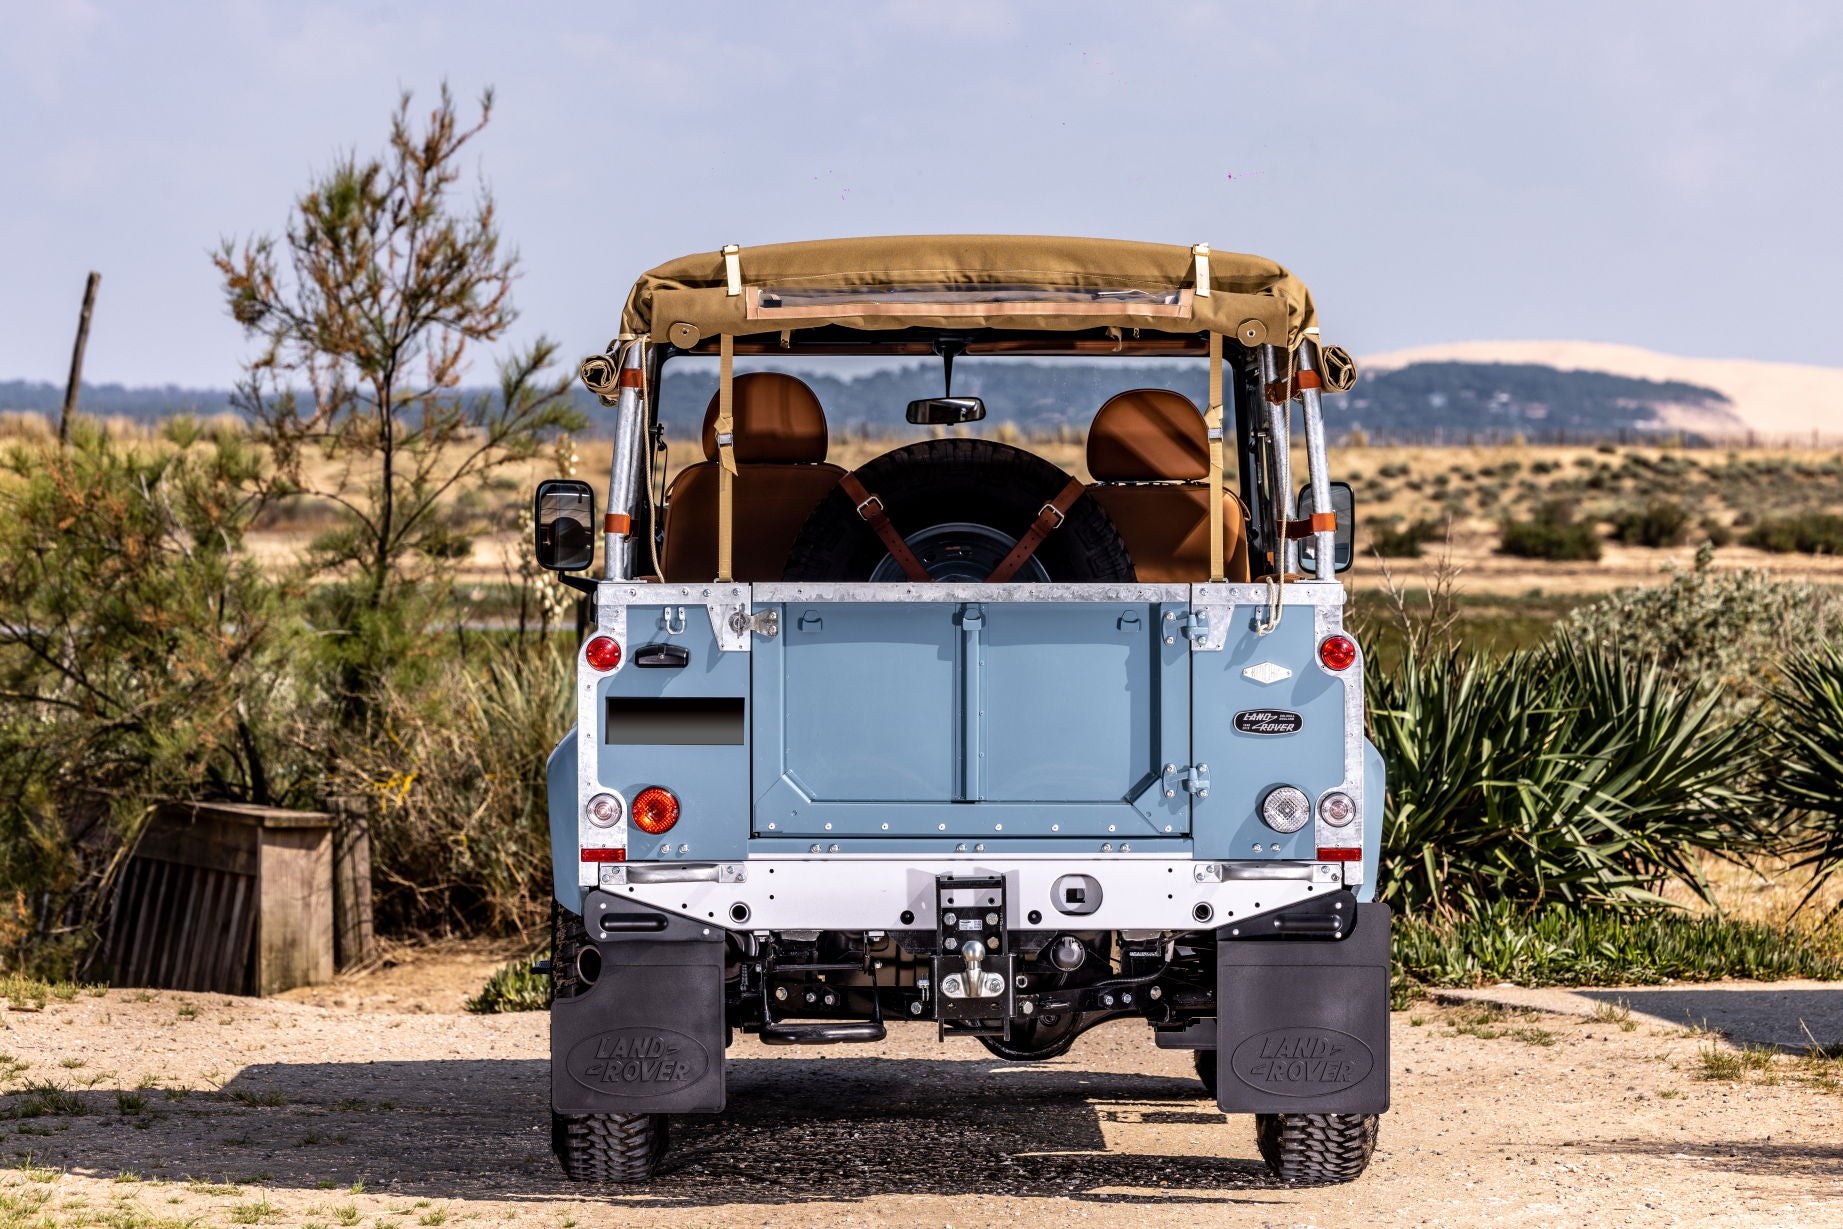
{"points": [[711, 782], [1243, 767], [935, 728]]}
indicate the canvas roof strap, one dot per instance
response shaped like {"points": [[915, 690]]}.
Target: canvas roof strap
{"points": [[870, 508], [726, 453], [732, 270], [1049, 519], [1213, 420], [1201, 252]]}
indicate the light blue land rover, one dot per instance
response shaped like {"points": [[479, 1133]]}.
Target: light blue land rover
{"points": [[960, 736]]}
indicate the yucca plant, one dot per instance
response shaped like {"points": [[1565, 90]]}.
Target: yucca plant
{"points": [[1805, 776], [1558, 774]]}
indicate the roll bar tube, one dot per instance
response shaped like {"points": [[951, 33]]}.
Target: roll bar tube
{"points": [[1317, 464], [624, 470]]}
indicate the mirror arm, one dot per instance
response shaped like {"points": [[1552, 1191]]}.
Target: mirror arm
{"points": [[581, 584]]}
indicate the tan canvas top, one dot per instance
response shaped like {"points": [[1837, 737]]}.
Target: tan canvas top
{"points": [[969, 281]]}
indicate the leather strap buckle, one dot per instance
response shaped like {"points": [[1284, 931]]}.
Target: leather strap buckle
{"points": [[868, 501], [1052, 510]]}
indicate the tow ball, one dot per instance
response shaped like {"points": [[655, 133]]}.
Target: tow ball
{"points": [[973, 964], [975, 983]]}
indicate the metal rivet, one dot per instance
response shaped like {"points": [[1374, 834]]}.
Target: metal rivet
{"points": [[815, 849], [834, 849], [828, 827]]}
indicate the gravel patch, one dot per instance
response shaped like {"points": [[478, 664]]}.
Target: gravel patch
{"points": [[238, 1111]]}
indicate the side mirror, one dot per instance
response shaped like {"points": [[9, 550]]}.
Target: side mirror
{"points": [[946, 411], [1344, 505], [564, 512]]}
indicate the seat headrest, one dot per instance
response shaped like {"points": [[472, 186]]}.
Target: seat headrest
{"points": [[778, 419], [1148, 435]]}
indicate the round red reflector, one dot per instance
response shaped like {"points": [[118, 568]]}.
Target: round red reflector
{"points": [[655, 810], [1337, 652], [603, 653]]}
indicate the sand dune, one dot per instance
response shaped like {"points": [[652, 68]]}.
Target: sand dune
{"points": [[1777, 401]]}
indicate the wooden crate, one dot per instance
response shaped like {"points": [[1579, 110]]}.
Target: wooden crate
{"points": [[228, 898]]}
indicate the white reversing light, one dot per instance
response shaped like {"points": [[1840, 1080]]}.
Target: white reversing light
{"points": [[1286, 809]]}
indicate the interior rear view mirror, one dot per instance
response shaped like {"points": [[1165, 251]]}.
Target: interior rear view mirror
{"points": [[1344, 504], [565, 524], [946, 411]]}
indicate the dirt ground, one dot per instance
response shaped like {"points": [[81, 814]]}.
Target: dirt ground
{"points": [[358, 1109]]}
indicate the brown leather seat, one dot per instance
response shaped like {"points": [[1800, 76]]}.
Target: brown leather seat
{"points": [[1148, 452], [781, 476]]}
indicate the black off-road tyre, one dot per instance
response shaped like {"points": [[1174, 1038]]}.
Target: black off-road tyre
{"points": [[1316, 1149], [622, 1148], [970, 482], [569, 940], [1206, 1070]]}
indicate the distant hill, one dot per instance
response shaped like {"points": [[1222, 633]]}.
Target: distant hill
{"points": [[112, 400], [1480, 390], [1422, 401], [1774, 401]]}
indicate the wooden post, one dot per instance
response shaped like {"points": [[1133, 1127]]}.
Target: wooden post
{"points": [[354, 939], [76, 358]]}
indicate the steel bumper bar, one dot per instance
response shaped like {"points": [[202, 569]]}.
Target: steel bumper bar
{"points": [[849, 892]]}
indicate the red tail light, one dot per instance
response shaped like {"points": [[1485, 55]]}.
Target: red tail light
{"points": [[603, 653], [604, 855], [1333, 854], [654, 810], [1337, 652]]}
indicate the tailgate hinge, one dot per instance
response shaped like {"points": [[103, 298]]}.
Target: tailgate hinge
{"points": [[1207, 627], [1193, 778]]}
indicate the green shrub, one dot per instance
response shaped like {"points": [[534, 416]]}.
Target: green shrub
{"points": [[1807, 535], [514, 986], [1555, 774], [1579, 947], [1726, 630], [1806, 777], [145, 657], [1551, 534], [1659, 523], [1391, 540], [453, 775]]}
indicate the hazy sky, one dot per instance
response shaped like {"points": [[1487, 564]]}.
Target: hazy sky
{"points": [[1664, 174]]}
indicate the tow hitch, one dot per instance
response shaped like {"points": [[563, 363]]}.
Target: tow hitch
{"points": [[974, 965]]}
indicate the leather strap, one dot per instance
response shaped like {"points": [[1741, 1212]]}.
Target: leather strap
{"points": [[726, 454], [1212, 418], [1318, 522], [870, 507], [1049, 518]]}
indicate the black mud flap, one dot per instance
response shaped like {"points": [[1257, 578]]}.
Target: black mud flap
{"points": [[647, 1037], [1303, 1022]]}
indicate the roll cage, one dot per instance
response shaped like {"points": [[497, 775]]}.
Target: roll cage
{"points": [[1256, 399]]}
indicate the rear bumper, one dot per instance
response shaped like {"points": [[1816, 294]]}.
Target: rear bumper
{"points": [[848, 892]]}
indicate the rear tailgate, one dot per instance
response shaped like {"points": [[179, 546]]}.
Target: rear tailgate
{"points": [[992, 720]]}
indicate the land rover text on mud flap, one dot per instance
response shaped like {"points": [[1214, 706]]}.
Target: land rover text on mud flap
{"points": [[960, 736]]}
